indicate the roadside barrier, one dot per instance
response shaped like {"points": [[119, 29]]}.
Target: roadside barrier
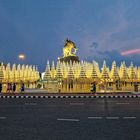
{"points": [[69, 96]]}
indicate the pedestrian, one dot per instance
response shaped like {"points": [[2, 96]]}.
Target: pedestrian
{"points": [[94, 87], [14, 87], [0, 87], [10, 88], [22, 88]]}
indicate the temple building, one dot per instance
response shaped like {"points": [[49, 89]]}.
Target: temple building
{"points": [[18, 74], [71, 75]]}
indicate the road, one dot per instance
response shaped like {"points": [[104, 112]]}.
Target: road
{"points": [[70, 119]]}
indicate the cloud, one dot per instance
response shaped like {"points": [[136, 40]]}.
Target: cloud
{"points": [[101, 30], [121, 35], [130, 52], [110, 56], [94, 45]]}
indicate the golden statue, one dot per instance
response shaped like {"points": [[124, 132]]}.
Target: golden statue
{"points": [[69, 48]]}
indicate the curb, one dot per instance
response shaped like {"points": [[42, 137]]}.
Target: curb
{"points": [[70, 96]]}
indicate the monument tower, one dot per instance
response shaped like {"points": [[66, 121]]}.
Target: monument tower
{"points": [[69, 52]]}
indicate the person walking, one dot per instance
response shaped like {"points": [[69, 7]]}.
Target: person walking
{"points": [[14, 88], [94, 87], [0, 87], [22, 88], [10, 88]]}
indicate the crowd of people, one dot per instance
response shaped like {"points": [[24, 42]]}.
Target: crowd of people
{"points": [[11, 88]]}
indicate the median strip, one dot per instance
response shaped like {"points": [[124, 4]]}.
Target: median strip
{"points": [[69, 96]]}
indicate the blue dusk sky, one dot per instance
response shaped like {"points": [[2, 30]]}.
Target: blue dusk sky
{"points": [[101, 29]]}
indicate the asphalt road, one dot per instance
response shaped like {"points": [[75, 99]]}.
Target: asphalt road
{"points": [[70, 119]]}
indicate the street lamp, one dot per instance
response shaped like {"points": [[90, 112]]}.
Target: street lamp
{"points": [[21, 56]]}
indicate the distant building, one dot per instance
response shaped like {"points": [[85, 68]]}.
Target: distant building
{"points": [[18, 74]]}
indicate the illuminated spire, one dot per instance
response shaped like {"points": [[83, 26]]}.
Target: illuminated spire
{"points": [[47, 72], [58, 71], [82, 72], [1, 73], [13, 73], [94, 73], [123, 72], [138, 72], [132, 74], [97, 68], [104, 74], [53, 71], [37, 74], [7, 73], [70, 72], [76, 70], [114, 72]]}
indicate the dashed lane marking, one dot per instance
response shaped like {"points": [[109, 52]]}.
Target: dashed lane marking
{"points": [[2, 118], [122, 103], [30, 104], [95, 117], [112, 118], [70, 120], [129, 117], [76, 103]]}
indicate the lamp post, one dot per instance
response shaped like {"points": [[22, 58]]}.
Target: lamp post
{"points": [[21, 57]]}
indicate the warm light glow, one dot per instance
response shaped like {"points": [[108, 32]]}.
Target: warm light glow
{"points": [[78, 76], [21, 56], [134, 51]]}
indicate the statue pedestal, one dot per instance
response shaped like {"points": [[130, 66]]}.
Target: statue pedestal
{"points": [[69, 58]]}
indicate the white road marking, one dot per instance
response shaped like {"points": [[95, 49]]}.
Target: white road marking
{"points": [[109, 118], [122, 103], [70, 120], [95, 117], [2, 118], [30, 103], [76, 103], [129, 117]]}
